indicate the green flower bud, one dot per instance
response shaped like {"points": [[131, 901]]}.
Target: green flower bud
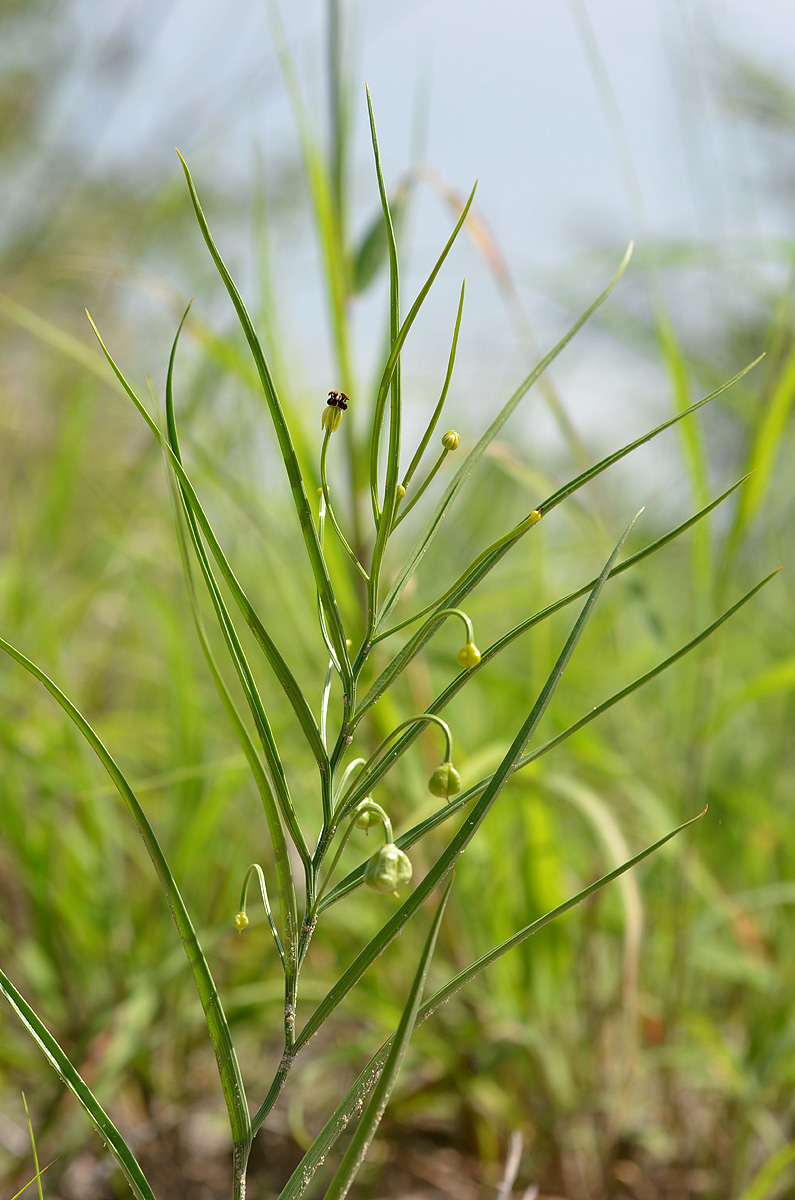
{"points": [[451, 440], [445, 781], [469, 656], [400, 491], [368, 819], [331, 418], [241, 922], [388, 869]]}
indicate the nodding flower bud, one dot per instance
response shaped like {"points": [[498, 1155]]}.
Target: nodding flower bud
{"points": [[368, 818], [331, 419], [388, 869], [400, 491], [468, 656], [451, 440], [445, 781], [241, 921]]}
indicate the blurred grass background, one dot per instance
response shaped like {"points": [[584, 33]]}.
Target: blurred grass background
{"points": [[644, 1046]]}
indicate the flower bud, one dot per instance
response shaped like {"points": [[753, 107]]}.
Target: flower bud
{"points": [[400, 491], [388, 869], [331, 419], [535, 517], [451, 440], [469, 656], [445, 781], [367, 820], [241, 922]]}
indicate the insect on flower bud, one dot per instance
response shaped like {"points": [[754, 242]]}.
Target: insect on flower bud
{"points": [[445, 781], [241, 922], [451, 440], [388, 869], [468, 656]]}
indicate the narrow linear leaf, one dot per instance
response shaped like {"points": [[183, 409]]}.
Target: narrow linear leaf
{"points": [[456, 803], [289, 457], [371, 1118], [278, 788], [469, 826], [437, 412], [59, 1061], [466, 976], [228, 1068], [392, 383], [272, 653], [488, 559], [477, 452], [354, 1098]]}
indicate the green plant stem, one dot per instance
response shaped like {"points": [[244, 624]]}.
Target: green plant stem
{"points": [[256, 869], [421, 489], [437, 412], [361, 783], [330, 509]]}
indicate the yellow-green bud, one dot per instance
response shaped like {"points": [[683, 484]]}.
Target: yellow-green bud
{"points": [[331, 418], [445, 781], [241, 922], [400, 491], [535, 517], [469, 656], [388, 869], [451, 440]]}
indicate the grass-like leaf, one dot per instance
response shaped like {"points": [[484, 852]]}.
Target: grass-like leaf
{"points": [[79, 1089], [352, 1101], [488, 559], [476, 453], [217, 1024], [456, 803], [371, 1118], [278, 789], [272, 653], [294, 476], [470, 825]]}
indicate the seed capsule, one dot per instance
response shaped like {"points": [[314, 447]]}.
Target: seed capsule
{"points": [[445, 781], [388, 869], [241, 922]]}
